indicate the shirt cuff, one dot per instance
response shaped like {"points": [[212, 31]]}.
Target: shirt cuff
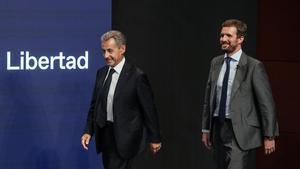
{"points": [[205, 131]]}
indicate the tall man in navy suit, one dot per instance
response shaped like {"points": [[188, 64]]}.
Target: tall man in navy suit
{"points": [[122, 114], [239, 111]]}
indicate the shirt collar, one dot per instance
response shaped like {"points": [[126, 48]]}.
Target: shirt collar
{"points": [[236, 57], [119, 66]]}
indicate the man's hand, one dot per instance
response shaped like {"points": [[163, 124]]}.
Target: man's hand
{"points": [[85, 139], [206, 140], [155, 147], [269, 146]]}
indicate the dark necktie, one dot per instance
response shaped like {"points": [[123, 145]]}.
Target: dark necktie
{"points": [[222, 107], [105, 91]]}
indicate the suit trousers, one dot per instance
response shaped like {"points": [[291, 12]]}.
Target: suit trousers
{"points": [[227, 152], [110, 155]]}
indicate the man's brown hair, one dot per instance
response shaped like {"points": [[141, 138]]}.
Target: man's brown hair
{"points": [[241, 27]]}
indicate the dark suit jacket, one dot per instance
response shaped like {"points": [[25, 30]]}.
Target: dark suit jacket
{"points": [[135, 115], [251, 104]]}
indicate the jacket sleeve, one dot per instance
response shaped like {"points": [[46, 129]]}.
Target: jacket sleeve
{"points": [[265, 102], [145, 97], [89, 127], [206, 105]]}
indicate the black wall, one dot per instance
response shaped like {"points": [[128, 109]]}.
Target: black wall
{"points": [[173, 42]]}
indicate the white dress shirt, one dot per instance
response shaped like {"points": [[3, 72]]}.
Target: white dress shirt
{"points": [[235, 58], [114, 80]]}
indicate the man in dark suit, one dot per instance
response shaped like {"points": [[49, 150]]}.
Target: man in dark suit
{"points": [[122, 115], [239, 111]]}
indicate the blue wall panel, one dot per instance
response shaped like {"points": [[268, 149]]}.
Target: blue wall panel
{"points": [[43, 109]]}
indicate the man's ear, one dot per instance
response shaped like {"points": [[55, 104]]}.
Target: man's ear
{"points": [[241, 39], [123, 49]]}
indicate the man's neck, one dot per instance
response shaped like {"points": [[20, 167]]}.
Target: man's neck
{"points": [[232, 53]]}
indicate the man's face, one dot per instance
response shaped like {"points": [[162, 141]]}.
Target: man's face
{"points": [[229, 40], [112, 53]]}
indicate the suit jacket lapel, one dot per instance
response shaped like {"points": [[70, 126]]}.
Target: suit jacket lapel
{"points": [[122, 79], [216, 69], [103, 75], [240, 74], [101, 81]]}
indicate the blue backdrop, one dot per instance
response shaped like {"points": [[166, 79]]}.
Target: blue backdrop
{"points": [[49, 54]]}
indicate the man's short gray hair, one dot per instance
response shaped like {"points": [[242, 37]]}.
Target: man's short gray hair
{"points": [[118, 36]]}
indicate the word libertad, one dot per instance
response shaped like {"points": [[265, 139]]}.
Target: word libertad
{"points": [[27, 62]]}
